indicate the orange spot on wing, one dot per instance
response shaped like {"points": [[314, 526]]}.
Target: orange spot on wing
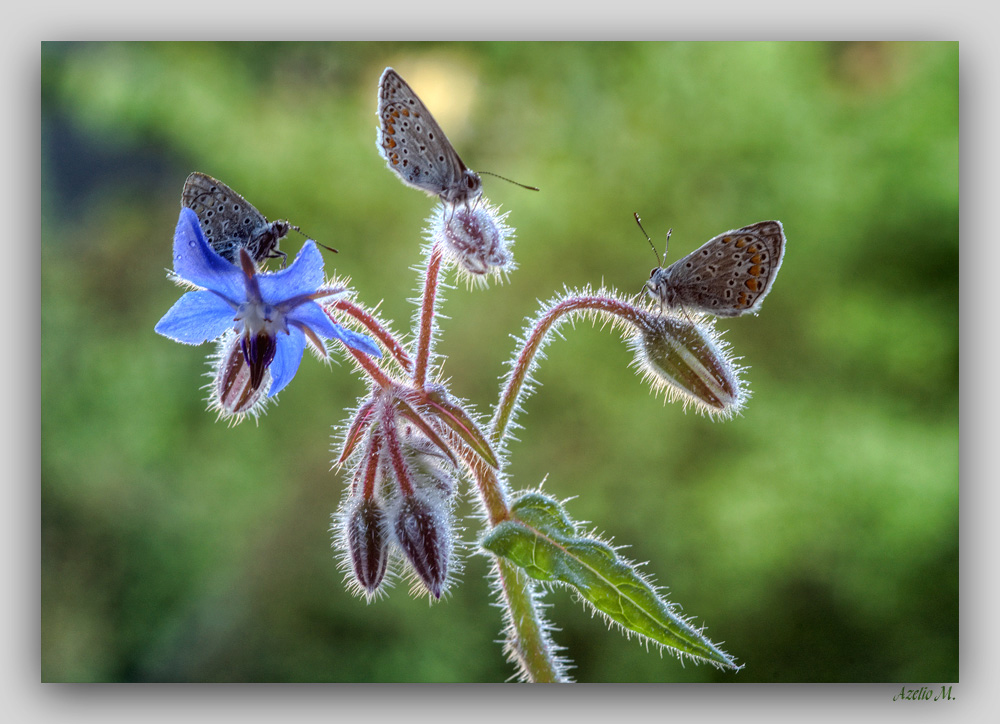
{"points": [[755, 270], [742, 241], [752, 285]]}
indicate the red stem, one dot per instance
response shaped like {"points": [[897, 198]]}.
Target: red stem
{"points": [[514, 385], [427, 317], [373, 370], [372, 324], [490, 489], [371, 464], [388, 427]]}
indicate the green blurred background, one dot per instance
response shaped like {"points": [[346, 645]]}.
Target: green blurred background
{"points": [[816, 535]]}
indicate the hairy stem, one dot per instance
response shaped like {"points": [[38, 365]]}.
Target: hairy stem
{"points": [[427, 306], [528, 641], [373, 325], [373, 370], [370, 466], [392, 446], [491, 490], [512, 391]]}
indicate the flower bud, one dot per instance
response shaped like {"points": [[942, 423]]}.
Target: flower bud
{"points": [[423, 535], [477, 239], [368, 543], [430, 467], [690, 362], [235, 391]]}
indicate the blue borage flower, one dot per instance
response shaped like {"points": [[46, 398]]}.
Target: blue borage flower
{"points": [[273, 313]]}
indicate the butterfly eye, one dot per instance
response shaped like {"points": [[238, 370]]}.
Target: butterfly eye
{"points": [[470, 182]]}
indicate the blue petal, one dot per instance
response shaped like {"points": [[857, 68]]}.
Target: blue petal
{"points": [[195, 262], [196, 317], [287, 358], [312, 315], [360, 342], [304, 276]]}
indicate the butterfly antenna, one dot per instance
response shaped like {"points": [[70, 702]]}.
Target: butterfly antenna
{"points": [[523, 186], [328, 248], [659, 262]]}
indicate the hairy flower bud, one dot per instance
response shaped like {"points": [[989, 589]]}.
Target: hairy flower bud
{"points": [[477, 240], [366, 534], [422, 532], [235, 392], [430, 467], [689, 362]]}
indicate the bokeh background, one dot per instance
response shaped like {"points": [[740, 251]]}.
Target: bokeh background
{"points": [[816, 535]]}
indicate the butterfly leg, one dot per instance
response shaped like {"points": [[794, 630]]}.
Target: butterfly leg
{"points": [[275, 253]]}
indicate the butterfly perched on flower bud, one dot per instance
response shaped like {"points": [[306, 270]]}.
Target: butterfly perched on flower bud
{"points": [[728, 276], [416, 149]]}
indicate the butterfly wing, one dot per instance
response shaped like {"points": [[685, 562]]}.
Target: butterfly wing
{"points": [[414, 146], [732, 273], [228, 220]]}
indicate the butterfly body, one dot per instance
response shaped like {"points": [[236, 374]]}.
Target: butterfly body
{"points": [[728, 276], [230, 222], [416, 149]]}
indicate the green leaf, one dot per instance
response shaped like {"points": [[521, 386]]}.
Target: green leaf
{"points": [[544, 541]]}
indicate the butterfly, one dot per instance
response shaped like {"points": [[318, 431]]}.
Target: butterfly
{"points": [[416, 149], [230, 222], [728, 276]]}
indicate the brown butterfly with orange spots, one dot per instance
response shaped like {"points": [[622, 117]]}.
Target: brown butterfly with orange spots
{"points": [[416, 149], [728, 276]]}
